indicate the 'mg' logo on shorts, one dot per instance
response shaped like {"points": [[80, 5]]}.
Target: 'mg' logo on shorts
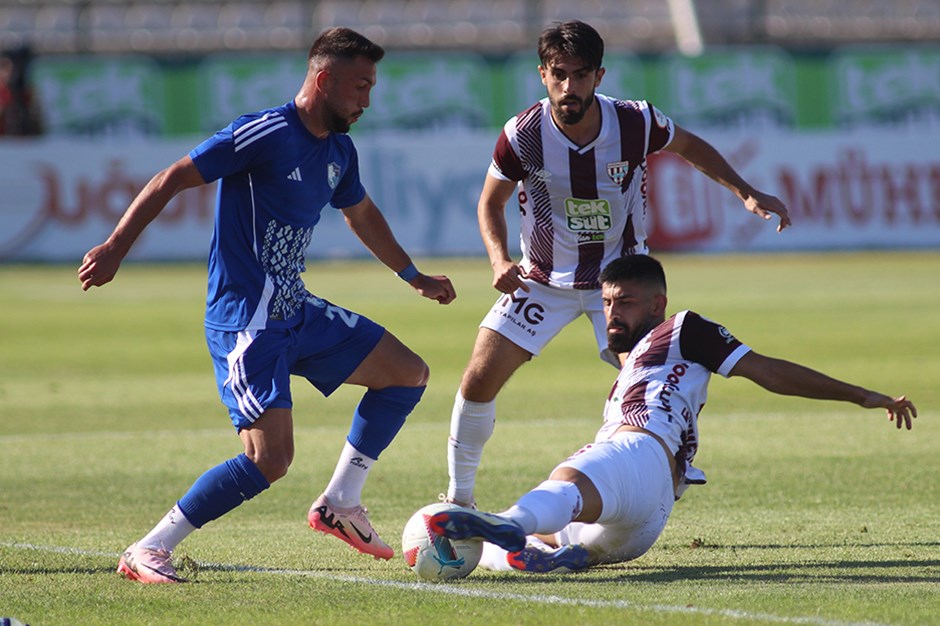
{"points": [[584, 215]]}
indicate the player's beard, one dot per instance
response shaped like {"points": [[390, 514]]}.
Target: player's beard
{"points": [[338, 123], [623, 342], [572, 116]]}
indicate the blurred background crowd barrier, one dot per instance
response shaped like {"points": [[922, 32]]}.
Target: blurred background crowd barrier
{"points": [[829, 104]]}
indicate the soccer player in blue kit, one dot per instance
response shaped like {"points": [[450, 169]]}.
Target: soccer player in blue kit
{"points": [[278, 169]]}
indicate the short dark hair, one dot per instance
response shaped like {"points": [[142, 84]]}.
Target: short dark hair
{"points": [[571, 39], [640, 268], [346, 44]]}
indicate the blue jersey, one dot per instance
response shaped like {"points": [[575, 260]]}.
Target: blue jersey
{"points": [[276, 178]]}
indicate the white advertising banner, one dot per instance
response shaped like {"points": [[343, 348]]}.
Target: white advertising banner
{"points": [[844, 191], [870, 189]]}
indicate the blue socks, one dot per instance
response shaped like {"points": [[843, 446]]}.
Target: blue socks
{"points": [[221, 489], [380, 415], [378, 418]]}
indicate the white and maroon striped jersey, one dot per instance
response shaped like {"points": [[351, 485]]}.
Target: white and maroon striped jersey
{"points": [[582, 206], [664, 383]]}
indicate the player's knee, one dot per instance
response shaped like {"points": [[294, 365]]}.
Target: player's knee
{"points": [[480, 384], [401, 367], [273, 464], [416, 373], [425, 375], [472, 384]]}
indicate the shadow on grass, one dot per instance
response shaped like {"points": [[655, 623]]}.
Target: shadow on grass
{"points": [[807, 570], [842, 571], [64, 569]]}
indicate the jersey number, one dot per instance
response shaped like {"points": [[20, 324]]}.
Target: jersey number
{"points": [[347, 317]]}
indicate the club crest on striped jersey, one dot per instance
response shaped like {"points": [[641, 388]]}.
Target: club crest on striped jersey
{"points": [[618, 171], [332, 174]]}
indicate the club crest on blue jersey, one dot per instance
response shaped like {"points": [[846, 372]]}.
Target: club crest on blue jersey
{"points": [[618, 171], [332, 174]]}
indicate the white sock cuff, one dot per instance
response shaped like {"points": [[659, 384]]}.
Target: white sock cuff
{"points": [[350, 453], [474, 409], [345, 487]]}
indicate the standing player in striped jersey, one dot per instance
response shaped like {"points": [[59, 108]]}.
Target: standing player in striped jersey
{"points": [[278, 169], [577, 161], [610, 501]]}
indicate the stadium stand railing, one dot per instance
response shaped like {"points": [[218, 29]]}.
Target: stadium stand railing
{"points": [[169, 27]]}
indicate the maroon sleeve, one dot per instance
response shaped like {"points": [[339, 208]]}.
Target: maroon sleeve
{"points": [[705, 342], [506, 160], [661, 130]]}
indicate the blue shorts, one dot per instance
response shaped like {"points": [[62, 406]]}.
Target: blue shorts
{"points": [[253, 367]]}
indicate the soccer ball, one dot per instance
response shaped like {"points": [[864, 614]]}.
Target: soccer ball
{"points": [[432, 557]]}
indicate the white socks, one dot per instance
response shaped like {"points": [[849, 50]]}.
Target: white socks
{"points": [[349, 477], [471, 425], [546, 509], [169, 532]]}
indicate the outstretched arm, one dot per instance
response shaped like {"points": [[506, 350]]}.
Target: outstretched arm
{"points": [[102, 262], [370, 226], [705, 158], [790, 379]]}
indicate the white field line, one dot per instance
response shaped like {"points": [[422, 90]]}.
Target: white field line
{"points": [[460, 590]]}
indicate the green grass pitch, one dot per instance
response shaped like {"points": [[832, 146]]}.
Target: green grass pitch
{"points": [[815, 512]]}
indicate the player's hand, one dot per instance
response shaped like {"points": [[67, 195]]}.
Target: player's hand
{"points": [[507, 277], [435, 288], [900, 410], [99, 266], [766, 206]]}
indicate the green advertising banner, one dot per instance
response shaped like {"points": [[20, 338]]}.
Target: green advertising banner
{"points": [[101, 96], [731, 89], [885, 86], [753, 88], [232, 85], [421, 90]]}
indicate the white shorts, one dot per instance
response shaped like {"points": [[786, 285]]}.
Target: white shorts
{"points": [[532, 319], [632, 475]]}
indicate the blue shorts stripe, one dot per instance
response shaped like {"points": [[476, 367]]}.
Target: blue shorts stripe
{"points": [[247, 402]]}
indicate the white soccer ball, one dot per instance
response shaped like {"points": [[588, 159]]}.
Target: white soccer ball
{"points": [[433, 557]]}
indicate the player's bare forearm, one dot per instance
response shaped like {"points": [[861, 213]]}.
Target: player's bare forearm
{"points": [[366, 221], [494, 231], [491, 214], [792, 379], [101, 263], [706, 159]]}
